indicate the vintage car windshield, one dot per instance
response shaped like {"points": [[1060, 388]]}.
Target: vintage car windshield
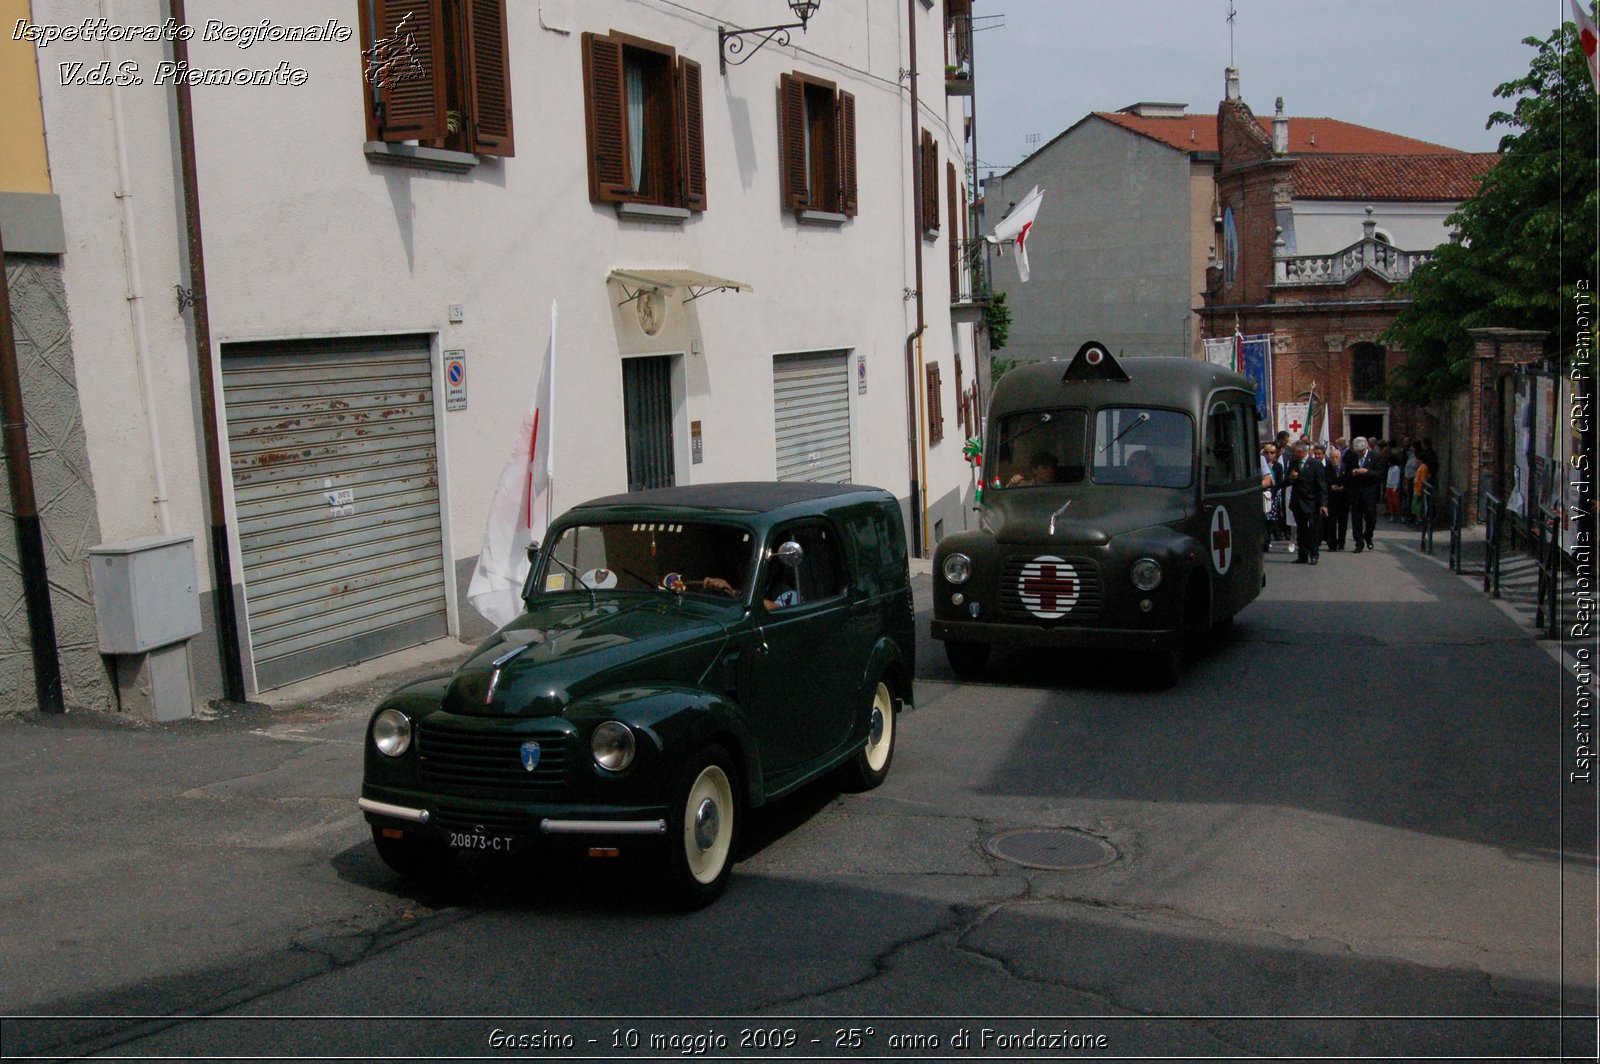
{"points": [[1039, 447], [640, 555], [1143, 446]]}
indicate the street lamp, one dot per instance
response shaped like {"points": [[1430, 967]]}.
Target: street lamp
{"points": [[731, 42]]}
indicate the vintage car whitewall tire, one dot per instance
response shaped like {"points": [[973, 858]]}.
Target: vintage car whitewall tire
{"points": [[701, 832], [870, 767]]}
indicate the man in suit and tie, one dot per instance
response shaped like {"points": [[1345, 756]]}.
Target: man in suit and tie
{"points": [[1308, 496], [1363, 471]]}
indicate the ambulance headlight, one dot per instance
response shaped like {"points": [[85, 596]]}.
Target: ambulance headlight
{"points": [[957, 568], [1146, 574]]}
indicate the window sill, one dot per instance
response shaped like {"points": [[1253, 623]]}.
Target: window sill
{"points": [[649, 212], [385, 153], [823, 219]]}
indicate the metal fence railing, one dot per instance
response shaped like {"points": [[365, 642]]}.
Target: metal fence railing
{"points": [[1457, 504], [1494, 520], [1547, 551], [1426, 519]]}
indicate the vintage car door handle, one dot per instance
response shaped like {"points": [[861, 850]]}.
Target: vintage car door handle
{"points": [[761, 647]]}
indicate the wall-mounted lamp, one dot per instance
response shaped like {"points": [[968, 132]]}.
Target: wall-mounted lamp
{"points": [[731, 42]]}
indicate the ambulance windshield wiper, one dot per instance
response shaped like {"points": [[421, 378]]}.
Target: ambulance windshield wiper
{"points": [[1140, 420]]}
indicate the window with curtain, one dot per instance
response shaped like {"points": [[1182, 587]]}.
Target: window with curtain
{"points": [[643, 123]]}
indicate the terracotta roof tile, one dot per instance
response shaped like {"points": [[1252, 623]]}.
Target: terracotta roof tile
{"points": [[1322, 136], [1434, 177]]}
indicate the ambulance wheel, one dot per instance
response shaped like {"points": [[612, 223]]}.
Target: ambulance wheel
{"points": [[967, 660]]}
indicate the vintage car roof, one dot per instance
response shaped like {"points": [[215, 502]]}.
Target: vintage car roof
{"points": [[1154, 379], [744, 497]]}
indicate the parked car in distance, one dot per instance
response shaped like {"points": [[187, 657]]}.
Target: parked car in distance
{"points": [[687, 654], [1121, 510]]}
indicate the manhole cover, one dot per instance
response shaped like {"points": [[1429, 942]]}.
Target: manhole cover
{"points": [[1056, 849]]}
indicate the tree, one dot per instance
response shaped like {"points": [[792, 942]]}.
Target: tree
{"points": [[1525, 239]]}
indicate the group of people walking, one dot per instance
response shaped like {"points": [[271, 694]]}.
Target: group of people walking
{"points": [[1320, 495]]}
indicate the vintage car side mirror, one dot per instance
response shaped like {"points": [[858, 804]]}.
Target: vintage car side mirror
{"points": [[790, 554]]}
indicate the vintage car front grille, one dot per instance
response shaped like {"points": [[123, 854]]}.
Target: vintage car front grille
{"points": [[448, 755], [1077, 595]]}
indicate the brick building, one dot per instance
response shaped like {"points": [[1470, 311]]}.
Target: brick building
{"points": [[1313, 240]]}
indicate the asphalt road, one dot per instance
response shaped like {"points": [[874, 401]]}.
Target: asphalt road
{"points": [[1341, 834]]}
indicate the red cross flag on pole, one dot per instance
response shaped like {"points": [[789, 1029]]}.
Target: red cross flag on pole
{"points": [[1016, 226], [515, 517], [1589, 39]]}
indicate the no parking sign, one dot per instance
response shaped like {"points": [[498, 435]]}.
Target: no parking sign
{"points": [[455, 380]]}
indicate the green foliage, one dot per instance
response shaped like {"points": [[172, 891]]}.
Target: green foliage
{"points": [[1526, 238], [999, 366], [997, 319]]}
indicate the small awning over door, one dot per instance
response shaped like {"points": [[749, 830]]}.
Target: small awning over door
{"points": [[698, 284]]}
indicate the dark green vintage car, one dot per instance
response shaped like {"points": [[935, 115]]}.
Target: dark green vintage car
{"points": [[686, 654], [1121, 510]]}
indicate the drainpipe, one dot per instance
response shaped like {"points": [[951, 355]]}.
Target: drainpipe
{"points": [[135, 292], [25, 514], [228, 647], [919, 511]]}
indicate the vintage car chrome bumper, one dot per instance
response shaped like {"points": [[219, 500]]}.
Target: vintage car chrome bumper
{"points": [[628, 823], [1029, 635]]}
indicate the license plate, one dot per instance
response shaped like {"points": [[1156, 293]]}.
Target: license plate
{"points": [[474, 840]]}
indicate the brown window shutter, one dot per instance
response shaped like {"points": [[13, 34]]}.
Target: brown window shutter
{"points": [[792, 131], [935, 405], [955, 248], [848, 204], [605, 112], [691, 108], [488, 77], [407, 41], [930, 183], [961, 399]]}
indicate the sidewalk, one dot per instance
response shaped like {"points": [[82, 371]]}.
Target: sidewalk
{"points": [[1519, 586]]}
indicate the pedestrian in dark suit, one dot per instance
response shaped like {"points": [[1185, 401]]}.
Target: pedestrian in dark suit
{"points": [[1363, 471], [1308, 495], [1280, 478], [1338, 503]]}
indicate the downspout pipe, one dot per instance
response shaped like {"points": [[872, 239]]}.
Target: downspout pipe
{"points": [[25, 514], [228, 646], [914, 341], [135, 292]]}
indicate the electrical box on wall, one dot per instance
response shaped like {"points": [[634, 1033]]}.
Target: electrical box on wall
{"points": [[144, 593]]}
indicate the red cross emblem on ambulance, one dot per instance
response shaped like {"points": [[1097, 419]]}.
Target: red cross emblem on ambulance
{"points": [[1049, 587], [1221, 544]]}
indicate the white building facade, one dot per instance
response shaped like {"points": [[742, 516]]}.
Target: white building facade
{"points": [[386, 222]]}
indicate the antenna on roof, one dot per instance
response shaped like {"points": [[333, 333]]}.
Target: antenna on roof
{"points": [[1231, 14]]}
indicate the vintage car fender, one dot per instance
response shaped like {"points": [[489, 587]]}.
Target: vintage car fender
{"points": [[672, 723]]}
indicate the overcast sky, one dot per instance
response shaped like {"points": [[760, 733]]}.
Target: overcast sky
{"points": [[1424, 68]]}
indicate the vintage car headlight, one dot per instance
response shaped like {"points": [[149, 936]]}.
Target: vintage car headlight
{"points": [[1146, 574], [613, 746], [391, 732], [957, 568]]}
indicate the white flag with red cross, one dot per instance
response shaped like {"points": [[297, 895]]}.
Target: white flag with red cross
{"points": [[519, 512], [1016, 227], [1589, 39]]}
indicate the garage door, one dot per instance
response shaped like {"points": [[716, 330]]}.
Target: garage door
{"points": [[336, 486], [811, 404]]}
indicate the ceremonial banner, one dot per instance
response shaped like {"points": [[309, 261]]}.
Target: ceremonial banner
{"points": [[1255, 362], [1292, 416], [1220, 352]]}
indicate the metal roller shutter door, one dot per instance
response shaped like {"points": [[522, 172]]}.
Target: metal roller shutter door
{"points": [[336, 486], [811, 405]]}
